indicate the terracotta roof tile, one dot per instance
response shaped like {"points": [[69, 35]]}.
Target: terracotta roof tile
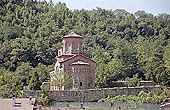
{"points": [[79, 62], [76, 56], [72, 34]]}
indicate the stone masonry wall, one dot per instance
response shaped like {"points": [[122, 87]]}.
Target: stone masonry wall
{"points": [[90, 94]]}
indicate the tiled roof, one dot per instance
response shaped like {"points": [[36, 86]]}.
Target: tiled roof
{"points": [[79, 63], [72, 34], [76, 56]]}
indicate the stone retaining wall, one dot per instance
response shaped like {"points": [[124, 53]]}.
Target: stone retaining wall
{"points": [[90, 94]]}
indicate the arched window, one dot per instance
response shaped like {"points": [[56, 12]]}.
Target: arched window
{"points": [[81, 84]]}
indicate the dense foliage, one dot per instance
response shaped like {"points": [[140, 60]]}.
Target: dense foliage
{"points": [[122, 44], [155, 97]]}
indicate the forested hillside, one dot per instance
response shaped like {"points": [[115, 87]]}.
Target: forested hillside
{"points": [[124, 45]]}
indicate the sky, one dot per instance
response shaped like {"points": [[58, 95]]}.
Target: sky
{"points": [[150, 6]]}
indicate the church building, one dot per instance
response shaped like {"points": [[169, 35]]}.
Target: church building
{"points": [[72, 60]]}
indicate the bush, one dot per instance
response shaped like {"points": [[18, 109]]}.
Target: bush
{"points": [[133, 82], [142, 97], [43, 99]]}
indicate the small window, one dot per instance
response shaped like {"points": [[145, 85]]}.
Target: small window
{"points": [[59, 52], [81, 83]]}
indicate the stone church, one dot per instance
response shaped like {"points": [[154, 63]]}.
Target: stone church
{"points": [[72, 60]]}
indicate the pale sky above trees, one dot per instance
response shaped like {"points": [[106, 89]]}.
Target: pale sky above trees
{"points": [[150, 6]]}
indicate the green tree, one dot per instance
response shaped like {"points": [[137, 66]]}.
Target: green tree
{"points": [[60, 79], [150, 55], [125, 53], [167, 56], [10, 85], [25, 72], [43, 72], [34, 83], [31, 31]]}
